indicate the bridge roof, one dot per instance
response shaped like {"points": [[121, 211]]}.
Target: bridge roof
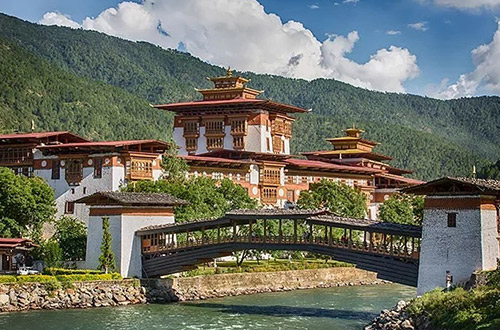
{"points": [[317, 217], [366, 224], [238, 217]]}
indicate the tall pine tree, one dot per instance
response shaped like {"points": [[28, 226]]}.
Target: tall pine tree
{"points": [[107, 257]]}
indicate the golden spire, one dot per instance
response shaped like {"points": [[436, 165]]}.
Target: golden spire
{"points": [[229, 72], [354, 132]]}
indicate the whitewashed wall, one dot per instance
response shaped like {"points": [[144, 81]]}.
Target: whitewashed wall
{"points": [[126, 244]]}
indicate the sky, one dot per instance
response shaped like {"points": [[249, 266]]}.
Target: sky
{"points": [[439, 48]]}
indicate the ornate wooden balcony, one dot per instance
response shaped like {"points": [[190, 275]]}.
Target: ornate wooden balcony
{"points": [[141, 169]]}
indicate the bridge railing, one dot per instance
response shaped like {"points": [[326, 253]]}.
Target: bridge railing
{"points": [[165, 243]]}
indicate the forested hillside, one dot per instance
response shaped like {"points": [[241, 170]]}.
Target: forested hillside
{"points": [[33, 88], [433, 137]]}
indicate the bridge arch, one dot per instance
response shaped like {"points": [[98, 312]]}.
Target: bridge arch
{"points": [[391, 250]]}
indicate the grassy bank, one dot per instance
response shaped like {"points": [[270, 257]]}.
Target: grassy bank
{"points": [[271, 265], [478, 308]]}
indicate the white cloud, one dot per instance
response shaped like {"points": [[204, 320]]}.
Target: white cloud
{"points": [[468, 4], [351, 1], [241, 34], [313, 6], [393, 32], [486, 74], [53, 18], [420, 26]]}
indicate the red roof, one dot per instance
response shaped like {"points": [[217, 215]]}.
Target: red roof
{"points": [[329, 166], [267, 104], [400, 178], [13, 242], [42, 135], [215, 159], [105, 144]]}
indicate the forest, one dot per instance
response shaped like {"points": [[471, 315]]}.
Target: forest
{"points": [[102, 87]]}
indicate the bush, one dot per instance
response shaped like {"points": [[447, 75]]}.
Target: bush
{"points": [[35, 278], [7, 279], [64, 271], [460, 309], [89, 277]]}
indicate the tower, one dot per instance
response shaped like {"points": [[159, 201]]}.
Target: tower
{"points": [[460, 231], [231, 117]]}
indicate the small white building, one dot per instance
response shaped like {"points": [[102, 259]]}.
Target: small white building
{"points": [[127, 212], [460, 233]]}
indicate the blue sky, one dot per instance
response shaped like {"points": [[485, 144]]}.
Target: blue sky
{"points": [[448, 34]]}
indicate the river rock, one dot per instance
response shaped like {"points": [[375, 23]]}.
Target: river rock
{"points": [[4, 299]]}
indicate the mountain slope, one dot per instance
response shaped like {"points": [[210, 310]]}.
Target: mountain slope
{"points": [[33, 88], [431, 136]]}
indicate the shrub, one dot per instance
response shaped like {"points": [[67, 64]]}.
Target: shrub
{"points": [[7, 279], [64, 271], [89, 277]]}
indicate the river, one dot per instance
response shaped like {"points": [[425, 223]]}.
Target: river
{"points": [[333, 308]]}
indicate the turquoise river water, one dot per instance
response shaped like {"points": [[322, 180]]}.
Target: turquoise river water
{"points": [[333, 308]]}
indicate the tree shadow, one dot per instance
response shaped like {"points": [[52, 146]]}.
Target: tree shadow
{"points": [[287, 311]]}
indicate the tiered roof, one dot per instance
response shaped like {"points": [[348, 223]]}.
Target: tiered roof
{"points": [[230, 93]]}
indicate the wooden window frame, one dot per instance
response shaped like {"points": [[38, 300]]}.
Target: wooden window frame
{"points": [[69, 208], [452, 220], [56, 169], [73, 172], [191, 144], [98, 164]]}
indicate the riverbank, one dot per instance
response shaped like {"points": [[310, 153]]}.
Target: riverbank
{"points": [[32, 296]]}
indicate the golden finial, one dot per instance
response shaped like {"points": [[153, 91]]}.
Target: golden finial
{"points": [[229, 72]]}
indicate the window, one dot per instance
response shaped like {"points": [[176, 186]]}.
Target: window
{"points": [[191, 128], [141, 169], [271, 176], [452, 219], [238, 126], [238, 142], [214, 126], [191, 144], [268, 140], [74, 172], [56, 169], [69, 208], [290, 195], [15, 155], [97, 168], [269, 195], [215, 143]]}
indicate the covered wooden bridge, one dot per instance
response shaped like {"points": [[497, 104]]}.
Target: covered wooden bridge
{"points": [[391, 250]]}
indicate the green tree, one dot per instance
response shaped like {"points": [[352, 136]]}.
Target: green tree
{"points": [[71, 234], [336, 197], [402, 208], [107, 257], [207, 198], [51, 253], [175, 167], [25, 205]]}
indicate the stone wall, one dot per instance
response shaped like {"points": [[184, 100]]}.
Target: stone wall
{"points": [[19, 297], [221, 285]]}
